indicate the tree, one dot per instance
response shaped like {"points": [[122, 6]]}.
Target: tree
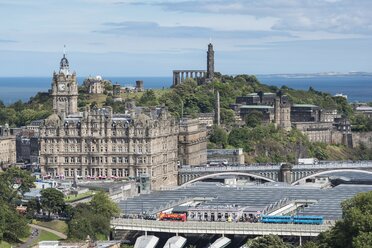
{"points": [[254, 119], [80, 225], [94, 104], [310, 244], [267, 241], [93, 219], [355, 228], [363, 240], [103, 205], [218, 136], [33, 206], [108, 85], [52, 200], [14, 182], [14, 225], [148, 99], [227, 116], [174, 103]]}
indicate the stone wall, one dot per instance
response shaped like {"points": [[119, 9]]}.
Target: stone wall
{"points": [[363, 137]]}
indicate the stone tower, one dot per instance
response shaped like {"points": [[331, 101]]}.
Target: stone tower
{"points": [[139, 86], [210, 62], [217, 111], [64, 90], [282, 112]]}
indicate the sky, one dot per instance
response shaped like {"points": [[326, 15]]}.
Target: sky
{"points": [[154, 37]]}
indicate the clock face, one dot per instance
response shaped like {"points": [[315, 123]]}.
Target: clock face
{"points": [[62, 87]]}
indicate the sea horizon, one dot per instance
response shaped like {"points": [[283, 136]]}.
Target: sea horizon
{"points": [[357, 86]]}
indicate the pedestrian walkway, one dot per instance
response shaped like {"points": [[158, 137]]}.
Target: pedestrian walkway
{"points": [[59, 234]]}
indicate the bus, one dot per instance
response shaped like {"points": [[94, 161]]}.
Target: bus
{"points": [[172, 217]]}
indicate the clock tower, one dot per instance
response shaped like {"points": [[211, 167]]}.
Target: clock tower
{"points": [[64, 90]]}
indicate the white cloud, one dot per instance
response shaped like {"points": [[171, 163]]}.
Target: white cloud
{"points": [[344, 16]]}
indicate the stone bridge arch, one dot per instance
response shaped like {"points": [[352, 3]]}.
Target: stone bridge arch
{"points": [[331, 171], [228, 174]]}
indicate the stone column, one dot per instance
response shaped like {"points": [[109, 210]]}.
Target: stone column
{"points": [[285, 173], [174, 78], [217, 110]]}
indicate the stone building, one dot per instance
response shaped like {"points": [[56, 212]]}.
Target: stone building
{"points": [[7, 147], [116, 90], [282, 111], [95, 85], [316, 131], [337, 132], [266, 111], [139, 86], [231, 156], [23, 149], [200, 76], [97, 143], [34, 150], [329, 115], [207, 119], [27, 149], [261, 98], [365, 110], [318, 124], [192, 142], [305, 113], [274, 107]]}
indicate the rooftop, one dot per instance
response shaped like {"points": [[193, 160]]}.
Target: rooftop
{"points": [[304, 106], [256, 107], [265, 94], [328, 200], [364, 108]]}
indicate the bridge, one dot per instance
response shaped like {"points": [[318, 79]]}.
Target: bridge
{"points": [[273, 173], [223, 228]]}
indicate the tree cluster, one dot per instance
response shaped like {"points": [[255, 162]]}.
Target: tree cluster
{"points": [[355, 228], [361, 123], [264, 143], [20, 113], [92, 218], [13, 184]]}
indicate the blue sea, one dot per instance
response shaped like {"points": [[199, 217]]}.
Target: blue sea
{"points": [[358, 88]]}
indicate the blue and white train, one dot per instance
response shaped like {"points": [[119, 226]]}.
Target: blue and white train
{"points": [[298, 219]]}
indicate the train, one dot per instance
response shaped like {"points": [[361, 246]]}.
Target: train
{"points": [[173, 217], [297, 219], [274, 219]]}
